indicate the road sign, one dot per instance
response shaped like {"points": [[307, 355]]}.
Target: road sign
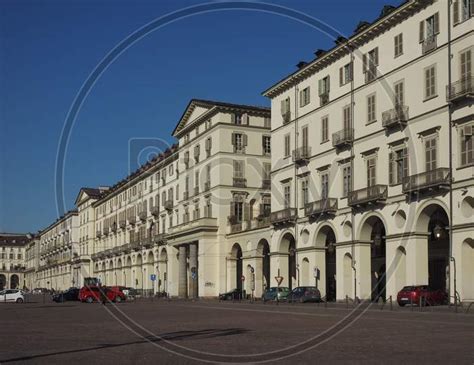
{"points": [[152, 277], [242, 278], [316, 272], [279, 279], [193, 275]]}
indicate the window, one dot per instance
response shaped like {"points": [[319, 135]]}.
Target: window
{"points": [[238, 210], [430, 153], [197, 153], [287, 145], [371, 111], [467, 145], [324, 185], [304, 97], [398, 44], [196, 179], [208, 146], [304, 139], [371, 171], [267, 122], [465, 62], [266, 170], [346, 180], [462, 10], [430, 82], [345, 74], [239, 141], [398, 169], [347, 117], [285, 110], [236, 119], [399, 91], [239, 169], [370, 61], [186, 138], [323, 88], [266, 142], [304, 192], [324, 129], [429, 28], [186, 159], [171, 170], [287, 196]]}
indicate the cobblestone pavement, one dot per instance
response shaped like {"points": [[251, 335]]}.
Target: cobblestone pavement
{"points": [[185, 332]]}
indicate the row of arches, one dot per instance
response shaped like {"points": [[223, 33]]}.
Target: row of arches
{"points": [[12, 283]]}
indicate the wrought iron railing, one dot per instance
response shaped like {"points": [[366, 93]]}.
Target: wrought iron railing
{"points": [[426, 180], [328, 205], [370, 194]]}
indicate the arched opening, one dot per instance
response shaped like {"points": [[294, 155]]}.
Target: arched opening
{"points": [[348, 276], [327, 237], [14, 281], [236, 267], [110, 274], [127, 273], [288, 263], [304, 272], [150, 270], [3, 281], [373, 230], [163, 271], [139, 272], [434, 221], [467, 269], [118, 273], [401, 268], [263, 268]]}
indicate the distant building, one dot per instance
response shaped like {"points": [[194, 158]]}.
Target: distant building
{"points": [[12, 260]]}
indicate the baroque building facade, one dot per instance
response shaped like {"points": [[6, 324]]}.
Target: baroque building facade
{"points": [[372, 160]]}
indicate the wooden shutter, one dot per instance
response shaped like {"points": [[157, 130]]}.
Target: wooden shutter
{"points": [[456, 12], [376, 56], [301, 98], [328, 87], [364, 62], [351, 71], [422, 31], [232, 118], [471, 7], [244, 140], [436, 23], [246, 211], [233, 138], [341, 76], [245, 118], [320, 87], [405, 162], [391, 168]]}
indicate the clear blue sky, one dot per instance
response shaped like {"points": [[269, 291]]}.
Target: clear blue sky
{"points": [[48, 48]]}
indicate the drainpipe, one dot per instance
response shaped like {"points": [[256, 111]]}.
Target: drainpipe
{"points": [[353, 262], [295, 169], [452, 272]]}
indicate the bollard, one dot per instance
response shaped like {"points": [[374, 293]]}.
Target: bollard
{"points": [[391, 303]]}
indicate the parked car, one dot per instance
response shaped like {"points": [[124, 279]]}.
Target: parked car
{"points": [[67, 295], [12, 296], [90, 294], [276, 292], [234, 294], [421, 294], [304, 294], [127, 291]]}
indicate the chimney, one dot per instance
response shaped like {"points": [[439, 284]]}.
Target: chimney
{"points": [[301, 64], [387, 9], [361, 26], [320, 52]]}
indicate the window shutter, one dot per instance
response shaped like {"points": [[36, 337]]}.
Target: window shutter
{"points": [[245, 118], [283, 106], [232, 118], [405, 162], [246, 211], [364, 62], [341, 76], [456, 12], [376, 56], [471, 7], [422, 31], [244, 140], [263, 143], [233, 138], [320, 87], [436, 23], [351, 71], [301, 98], [232, 209], [328, 87], [308, 97]]}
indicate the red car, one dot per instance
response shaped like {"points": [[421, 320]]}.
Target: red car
{"points": [[421, 294], [90, 294]]}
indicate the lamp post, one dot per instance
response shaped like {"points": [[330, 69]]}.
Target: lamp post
{"points": [[298, 273]]}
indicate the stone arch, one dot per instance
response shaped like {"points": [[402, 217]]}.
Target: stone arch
{"points": [[118, 272], [262, 269], [366, 225], [305, 273], [163, 270], [14, 281], [287, 253], [321, 233], [467, 267], [139, 280], [424, 211]]}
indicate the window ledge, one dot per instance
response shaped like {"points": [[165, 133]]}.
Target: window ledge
{"points": [[430, 98], [465, 166]]}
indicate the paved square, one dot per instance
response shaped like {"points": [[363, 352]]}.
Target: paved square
{"points": [[186, 332]]}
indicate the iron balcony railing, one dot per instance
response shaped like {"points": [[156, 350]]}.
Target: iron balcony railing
{"points": [[132, 220], [207, 186], [286, 117], [434, 179], [109, 252], [117, 250], [328, 205], [98, 233], [122, 223], [371, 74], [142, 215], [105, 231], [236, 227], [185, 195], [369, 195], [460, 89], [301, 154], [283, 216], [343, 137], [266, 184], [113, 228], [168, 204], [159, 238], [196, 190], [240, 182], [395, 116], [429, 44]]}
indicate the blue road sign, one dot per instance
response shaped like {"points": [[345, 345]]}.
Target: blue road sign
{"points": [[193, 276], [153, 277]]}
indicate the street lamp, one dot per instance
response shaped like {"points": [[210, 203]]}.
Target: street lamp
{"points": [[298, 273]]}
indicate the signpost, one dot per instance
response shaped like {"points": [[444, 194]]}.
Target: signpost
{"points": [[279, 280], [316, 275], [153, 279]]}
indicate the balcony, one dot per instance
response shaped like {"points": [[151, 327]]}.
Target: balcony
{"points": [[286, 117], [185, 195], [94, 257], [429, 44], [147, 241], [198, 225], [343, 138], [460, 89], [196, 190], [98, 233], [105, 231], [142, 216], [159, 238], [207, 186], [236, 227], [374, 194], [302, 154], [109, 252], [168, 204], [240, 182], [113, 228], [155, 210], [116, 251], [395, 117], [284, 216], [266, 184], [132, 220], [122, 223], [324, 98], [436, 179], [323, 206]]}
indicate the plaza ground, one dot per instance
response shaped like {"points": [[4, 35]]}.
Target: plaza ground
{"points": [[181, 332]]}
